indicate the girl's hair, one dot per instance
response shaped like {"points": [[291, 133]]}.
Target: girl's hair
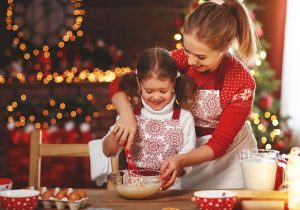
{"points": [[157, 62], [223, 25]]}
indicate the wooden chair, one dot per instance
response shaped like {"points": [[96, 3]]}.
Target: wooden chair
{"points": [[38, 150]]}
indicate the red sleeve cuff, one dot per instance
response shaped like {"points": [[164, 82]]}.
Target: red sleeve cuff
{"points": [[114, 87]]}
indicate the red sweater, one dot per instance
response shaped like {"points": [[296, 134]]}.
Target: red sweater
{"points": [[237, 94]]}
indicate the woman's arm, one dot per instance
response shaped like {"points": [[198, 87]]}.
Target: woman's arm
{"points": [[171, 167], [110, 145], [125, 128]]}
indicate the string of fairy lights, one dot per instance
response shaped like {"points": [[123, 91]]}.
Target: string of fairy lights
{"points": [[97, 76], [70, 35], [256, 118], [53, 110], [73, 75]]}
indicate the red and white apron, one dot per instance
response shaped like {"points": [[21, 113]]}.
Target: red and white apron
{"points": [[156, 140], [224, 172]]}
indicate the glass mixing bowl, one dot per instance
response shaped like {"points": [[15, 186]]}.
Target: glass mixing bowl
{"points": [[137, 185]]}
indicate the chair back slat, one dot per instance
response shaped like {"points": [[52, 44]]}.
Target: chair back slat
{"points": [[38, 150]]}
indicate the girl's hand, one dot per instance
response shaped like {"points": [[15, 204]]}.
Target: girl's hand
{"points": [[125, 130], [169, 170]]}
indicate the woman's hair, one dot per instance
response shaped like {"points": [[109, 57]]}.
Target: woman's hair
{"points": [[223, 25], [157, 62]]}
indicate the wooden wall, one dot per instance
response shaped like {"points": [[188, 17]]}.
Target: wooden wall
{"points": [[136, 24]]}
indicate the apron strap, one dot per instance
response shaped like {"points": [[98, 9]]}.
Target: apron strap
{"points": [[176, 111], [137, 110], [203, 131]]}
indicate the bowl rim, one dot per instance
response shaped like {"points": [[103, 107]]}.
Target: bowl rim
{"points": [[5, 181], [119, 173], [23, 193], [219, 194]]}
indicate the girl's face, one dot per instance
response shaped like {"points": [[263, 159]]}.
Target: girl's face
{"points": [[156, 93], [200, 55]]}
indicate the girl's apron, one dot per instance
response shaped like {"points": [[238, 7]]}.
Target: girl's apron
{"points": [[224, 172], [156, 140]]}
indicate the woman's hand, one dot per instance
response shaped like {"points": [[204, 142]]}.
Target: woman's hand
{"points": [[125, 130], [125, 127], [169, 170]]}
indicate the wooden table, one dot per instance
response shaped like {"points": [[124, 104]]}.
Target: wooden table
{"points": [[99, 198]]}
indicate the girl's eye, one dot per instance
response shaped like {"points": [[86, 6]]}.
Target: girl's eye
{"points": [[147, 91]]}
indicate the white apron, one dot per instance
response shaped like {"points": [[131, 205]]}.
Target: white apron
{"points": [[156, 140], [224, 172]]}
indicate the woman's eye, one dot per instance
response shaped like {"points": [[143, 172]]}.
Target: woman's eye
{"points": [[147, 91], [201, 58]]}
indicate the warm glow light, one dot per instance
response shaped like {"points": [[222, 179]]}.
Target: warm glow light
{"points": [[31, 118], [37, 125], [274, 117], [275, 122], [61, 44], [78, 12], [23, 97], [268, 146], [178, 46], [45, 112], [177, 37], [263, 140], [59, 115], [52, 102], [73, 114], [26, 56], [10, 108], [89, 96], [293, 178], [62, 106], [45, 48]]}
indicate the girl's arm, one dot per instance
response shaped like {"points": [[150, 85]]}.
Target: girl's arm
{"points": [[125, 128]]}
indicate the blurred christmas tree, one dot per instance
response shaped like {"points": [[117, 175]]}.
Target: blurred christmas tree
{"points": [[270, 129]]}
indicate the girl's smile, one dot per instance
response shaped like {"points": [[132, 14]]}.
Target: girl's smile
{"points": [[156, 93]]}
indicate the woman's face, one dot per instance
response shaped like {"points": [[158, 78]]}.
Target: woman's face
{"points": [[156, 93], [200, 55]]}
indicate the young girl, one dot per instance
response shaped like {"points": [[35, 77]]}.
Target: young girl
{"points": [[163, 128], [224, 99]]}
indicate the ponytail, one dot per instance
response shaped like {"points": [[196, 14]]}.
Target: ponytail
{"points": [[245, 34], [221, 26], [130, 86], [185, 90]]}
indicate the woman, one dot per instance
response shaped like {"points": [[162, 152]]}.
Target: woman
{"points": [[224, 100]]}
